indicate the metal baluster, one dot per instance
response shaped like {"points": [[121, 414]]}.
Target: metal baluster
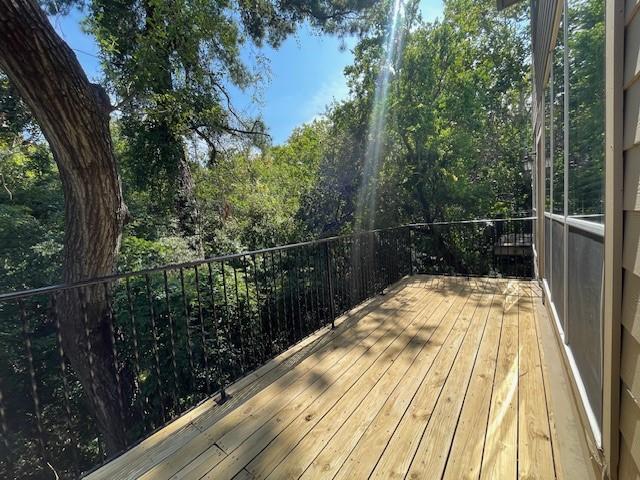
{"points": [[87, 335], [311, 288], [364, 275], [381, 263], [321, 277], [302, 315], [294, 292], [354, 267], [268, 303], [283, 295], [142, 397], [494, 245], [239, 313], [360, 269], [363, 267], [4, 429], [308, 286], [357, 269], [291, 266], [353, 295], [390, 262], [156, 350], [511, 257], [226, 309], [216, 335], [385, 261], [377, 264], [397, 264], [328, 263], [370, 264], [338, 277], [274, 291], [343, 278], [114, 353], [316, 284], [411, 250], [250, 316], [347, 276], [32, 377], [203, 333], [394, 265], [187, 316], [259, 312], [73, 441], [172, 341]]}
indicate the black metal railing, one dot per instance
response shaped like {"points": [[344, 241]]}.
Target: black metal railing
{"points": [[179, 334], [489, 248]]}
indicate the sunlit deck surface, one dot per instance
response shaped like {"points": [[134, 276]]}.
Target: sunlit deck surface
{"points": [[439, 378]]}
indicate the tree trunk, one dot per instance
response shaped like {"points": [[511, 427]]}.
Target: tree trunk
{"points": [[74, 117], [187, 206]]}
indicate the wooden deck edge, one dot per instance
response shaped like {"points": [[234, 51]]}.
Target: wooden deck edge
{"points": [[206, 406], [572, 440]]}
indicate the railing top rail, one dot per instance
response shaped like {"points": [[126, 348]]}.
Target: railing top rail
{"points": [[176, 266], [22, 294], [462, 222]]}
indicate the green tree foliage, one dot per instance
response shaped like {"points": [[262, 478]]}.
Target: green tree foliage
{"points": [[457, 127], [171, 64], [30, 200], [251, 199]]}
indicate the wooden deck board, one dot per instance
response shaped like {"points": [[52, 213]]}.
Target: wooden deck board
{"points": [[465, 457], [500, 455], [535, 457], [398, 457], [440, 378]]}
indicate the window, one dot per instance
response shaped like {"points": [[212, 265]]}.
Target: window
{"points": [[574, 192], [548, 142], [586, 109], [558, 123]]}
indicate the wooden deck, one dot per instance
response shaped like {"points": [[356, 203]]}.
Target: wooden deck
{"points": [[440, 378]]}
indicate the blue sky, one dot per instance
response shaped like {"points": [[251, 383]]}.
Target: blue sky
{"points": [[305, 73]]}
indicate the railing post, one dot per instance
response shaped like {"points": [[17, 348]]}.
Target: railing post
{"points": [[411, 251], [332, 307]]}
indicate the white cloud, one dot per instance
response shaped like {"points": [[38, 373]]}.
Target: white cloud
{"points": [[332, 90]]}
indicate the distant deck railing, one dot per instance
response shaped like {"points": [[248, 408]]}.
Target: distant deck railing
{"points": [[179, 334]]}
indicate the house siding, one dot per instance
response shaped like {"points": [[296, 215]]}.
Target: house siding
{"points": [[629, 457]]}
